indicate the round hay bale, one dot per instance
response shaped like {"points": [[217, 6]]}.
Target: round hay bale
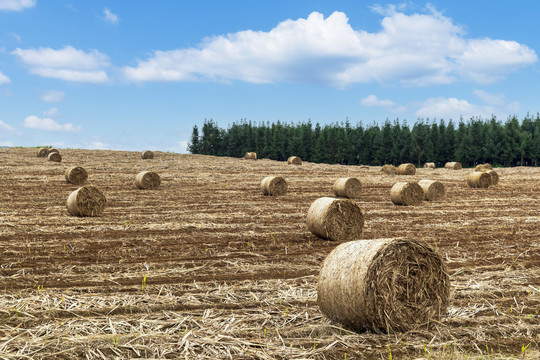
{"points": [[147, 154], [43, 152], [406, 169], [406, 193], [383, 285], [76, 175], [347, 187], [479, 179], [147, 180], [429, 165], [389, 169], [51, 150], [54, 156], [335, 219], [483, 167], [494, 177], [433, 190], [453, 165], [294, 160], [250, 156], [274, 186], [86, 201]]}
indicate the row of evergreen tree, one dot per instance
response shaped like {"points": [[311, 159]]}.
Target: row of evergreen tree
{"points": [[511, 143]]}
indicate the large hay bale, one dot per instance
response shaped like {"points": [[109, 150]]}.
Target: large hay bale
{"points": [[43, 152], [389, 169], [51, 150], [453, 165], [406, 169], [433, 190], [429, 165], [274, 186], [54, 156], [335, 219], [147, 180], [87, 200], [147, 154], [383, 285], [483, 167], [347, 187], [294, 160], [494, 177], [479, 179], [406, 193], [76, 175], [250, 156]]}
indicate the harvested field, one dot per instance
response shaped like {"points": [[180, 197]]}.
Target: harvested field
{"points": [[205, 267]]}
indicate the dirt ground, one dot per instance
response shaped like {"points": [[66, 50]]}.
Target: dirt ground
{"points": [[206, 267]]}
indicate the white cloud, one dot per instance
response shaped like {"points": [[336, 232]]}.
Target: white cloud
{"points": [[490, 99], [16, 5], [6, 127], [413, 50], [52, 96], [373, 100], [4, 79], [109, 16], [46, 124], [67, 64], [16, 36], [51, 112], [6, 143]]}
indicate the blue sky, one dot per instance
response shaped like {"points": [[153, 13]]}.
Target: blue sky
{"points": [[135, 75]]}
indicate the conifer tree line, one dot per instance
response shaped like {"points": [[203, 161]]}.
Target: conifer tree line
{"points": [[510, 143]]}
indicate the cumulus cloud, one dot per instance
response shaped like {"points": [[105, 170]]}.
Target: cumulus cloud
{"points": [[373, 100], [67, 64], [6, 127], [109, 16], [4, 79], [16, 5], [46, 124], [52, 96], [410, 49]]}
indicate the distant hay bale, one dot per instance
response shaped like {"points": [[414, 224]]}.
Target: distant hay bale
{"points": [[147, 154], [54, 156], [250, 156], [433, 190], [479, 179], [347, 187], [294, 160], [86, 201], [51, 150], [453, 165], [383, 285], [335, 219], [43, 152], [76, 175], [429, 165], [389, 169], [274, 186], [406, 169], [147, 180], [494, 177], [406, 193]]}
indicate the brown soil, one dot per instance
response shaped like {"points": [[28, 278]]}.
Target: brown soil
{"points": [[207, 267]]}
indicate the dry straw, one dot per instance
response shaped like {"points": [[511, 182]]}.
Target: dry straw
{"points": [[51, 150], [347, 187], [406, 193], [479, 179], [76, 175], [250, 156], [294, 160], [383, 285], [147, 154], [43, 152], [433, 190], [389, 169], [483, 167], [54, 156], [86, 201], [453, 165], [274, 186], [429, 165], [406, 169], [494, 177], [335, 219], [147, 180]]}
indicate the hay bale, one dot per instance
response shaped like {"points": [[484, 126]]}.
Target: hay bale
{"points": [[483, 167], [494, 177], [389, 169], [250, 156], [147, 154], [429, 165], [51, 150], [87, 200], [433, 190], [43, 152], [76, 175], [479, 179], [335, 219], [406, 169], [347, 187], [274, 186], [453, 165], [406, 193], [383, 285], [294, 160], [54, 156], [147, 180]]}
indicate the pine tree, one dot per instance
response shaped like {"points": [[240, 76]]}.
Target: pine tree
{"points": [[194, 145]]}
